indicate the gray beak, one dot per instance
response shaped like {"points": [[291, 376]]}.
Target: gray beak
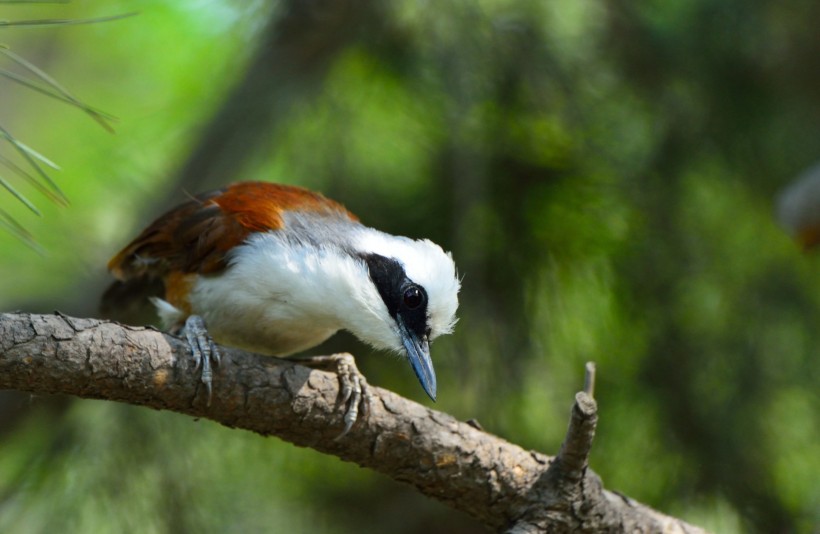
{"points": [[418, 353]]}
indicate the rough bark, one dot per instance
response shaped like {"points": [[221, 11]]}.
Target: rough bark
{"points": [[504, 486]]}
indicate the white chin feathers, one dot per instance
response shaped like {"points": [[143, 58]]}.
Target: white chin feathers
{"points": [[426, 264]]}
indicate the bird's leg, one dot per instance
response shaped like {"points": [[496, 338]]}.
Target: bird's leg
{"points": [[355, 393], [203, 349]]}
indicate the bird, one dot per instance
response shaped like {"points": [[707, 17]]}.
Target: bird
{"points": [[277, 269], [798, 208]]}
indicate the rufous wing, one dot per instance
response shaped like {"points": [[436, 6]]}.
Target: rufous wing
{"points": [[195, 237]]}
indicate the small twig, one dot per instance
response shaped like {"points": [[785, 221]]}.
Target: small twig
{"points": [[574, 456], [589, 379]]}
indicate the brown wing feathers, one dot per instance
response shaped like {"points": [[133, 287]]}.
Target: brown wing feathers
{"points": [[178, 240], [196, 236]]}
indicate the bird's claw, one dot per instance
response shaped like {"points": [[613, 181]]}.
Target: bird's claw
{"points": [[203, 350], [354, 393]]}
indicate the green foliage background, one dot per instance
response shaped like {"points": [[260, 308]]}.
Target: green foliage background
{"points": [[604, 173]]}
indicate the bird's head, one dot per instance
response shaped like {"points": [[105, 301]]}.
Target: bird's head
{"points": [[411, 296]]}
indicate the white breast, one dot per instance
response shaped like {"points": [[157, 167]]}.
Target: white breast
{"points": [[276, 297]]}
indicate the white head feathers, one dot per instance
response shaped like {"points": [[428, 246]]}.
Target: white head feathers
{"points": [[426, 264]]}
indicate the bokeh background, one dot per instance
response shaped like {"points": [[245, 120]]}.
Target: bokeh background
{"points": [[603, 171]]}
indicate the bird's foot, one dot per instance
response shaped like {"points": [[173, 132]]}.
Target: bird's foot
{"points": [[355, 392], [203, 349]]}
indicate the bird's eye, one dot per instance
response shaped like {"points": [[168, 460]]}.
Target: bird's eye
{"points": [[413, 297]]}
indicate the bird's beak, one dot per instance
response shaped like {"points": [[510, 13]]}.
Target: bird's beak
{"points": [[418, 352]]}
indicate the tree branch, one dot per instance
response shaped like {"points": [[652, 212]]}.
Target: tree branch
{"points": [[501, 484]]}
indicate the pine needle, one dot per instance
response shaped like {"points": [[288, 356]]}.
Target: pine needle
{"points": [[39, 81], [16, 229], [34, 182], [34, 159], [52, 88], [42, 23], [19, 196]]}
